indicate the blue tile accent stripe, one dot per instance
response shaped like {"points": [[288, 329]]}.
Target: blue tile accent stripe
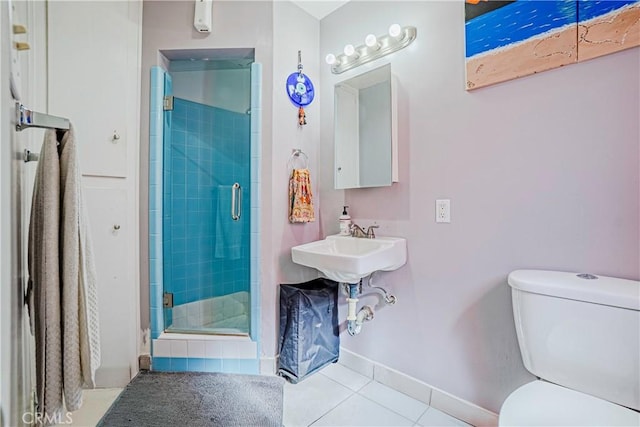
{"points": [[193, 364]]}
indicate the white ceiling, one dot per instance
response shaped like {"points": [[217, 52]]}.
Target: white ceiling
{"points": [[319, 8]]}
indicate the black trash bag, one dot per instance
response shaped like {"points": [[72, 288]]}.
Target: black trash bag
{"points": [[309, 330]]}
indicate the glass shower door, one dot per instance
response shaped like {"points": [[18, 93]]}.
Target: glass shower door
{"points": [[206, 235]]}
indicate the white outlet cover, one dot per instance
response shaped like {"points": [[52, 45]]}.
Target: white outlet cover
{"points": [[443, 210]]}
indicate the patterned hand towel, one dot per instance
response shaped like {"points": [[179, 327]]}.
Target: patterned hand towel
{"points": [[300, 197]]}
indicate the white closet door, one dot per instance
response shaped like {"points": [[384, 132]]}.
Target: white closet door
{"points": [[88, 70], [93, 79], [106, 209]]}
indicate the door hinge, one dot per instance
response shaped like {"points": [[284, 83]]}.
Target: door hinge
{"points": [[167, 300], [167, 103]]}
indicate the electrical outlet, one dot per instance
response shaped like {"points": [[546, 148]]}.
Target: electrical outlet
{"points": [[443, 210]]}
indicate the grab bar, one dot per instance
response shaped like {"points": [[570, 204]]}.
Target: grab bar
{"points": [[236, 201]]}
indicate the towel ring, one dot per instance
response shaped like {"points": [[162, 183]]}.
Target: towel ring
{"points": [[297, 154]]}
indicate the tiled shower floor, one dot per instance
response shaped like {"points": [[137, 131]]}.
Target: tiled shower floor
{"points": [[335, 396]]}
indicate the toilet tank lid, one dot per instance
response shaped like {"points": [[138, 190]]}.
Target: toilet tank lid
{"points": [[600, 290]]}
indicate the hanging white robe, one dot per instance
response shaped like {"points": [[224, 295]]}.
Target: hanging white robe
{"points": [[81, 337], [44, 278]]}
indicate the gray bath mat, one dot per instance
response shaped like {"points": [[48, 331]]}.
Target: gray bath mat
{"points": [[197, 399]]}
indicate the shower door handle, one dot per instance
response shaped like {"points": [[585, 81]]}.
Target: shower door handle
{"points": [[236, 201]]}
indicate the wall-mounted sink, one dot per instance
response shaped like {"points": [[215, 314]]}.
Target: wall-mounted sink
{"points": [[348, 259]]}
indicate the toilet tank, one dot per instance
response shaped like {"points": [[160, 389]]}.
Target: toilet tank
{"points": [[580, 331]]}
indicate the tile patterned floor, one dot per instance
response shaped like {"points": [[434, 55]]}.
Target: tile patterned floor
{"points": [[338, 396], [335, 396]]}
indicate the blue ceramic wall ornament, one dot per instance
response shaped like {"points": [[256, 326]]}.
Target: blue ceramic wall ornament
{"points": [[300, 90]]}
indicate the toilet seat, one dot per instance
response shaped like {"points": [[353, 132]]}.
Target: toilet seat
{"points": [[540, 403]]}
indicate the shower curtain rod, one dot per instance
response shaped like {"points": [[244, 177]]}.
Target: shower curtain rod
{"points": [[26, 118]]}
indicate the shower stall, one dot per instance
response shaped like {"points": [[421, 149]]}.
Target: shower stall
{"points": [[206, 199]]}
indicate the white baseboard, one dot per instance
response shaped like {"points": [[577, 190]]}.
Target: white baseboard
{"points": [[432, 396], [117, 377], [268, 365]]}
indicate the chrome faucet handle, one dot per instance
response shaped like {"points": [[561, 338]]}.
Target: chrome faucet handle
{"points": [[370, 233], [356, 231]]}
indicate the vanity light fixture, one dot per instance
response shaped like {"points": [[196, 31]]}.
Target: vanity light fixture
{"points": [[349, 50], [395, 31], [372, 42], [330, 59], [373, 48]]}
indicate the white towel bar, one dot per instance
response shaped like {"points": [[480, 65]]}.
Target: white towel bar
{"points": [[26, 118]]}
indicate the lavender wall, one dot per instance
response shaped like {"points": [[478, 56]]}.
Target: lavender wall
{"points": [[542, 172], [293, 30], [529, 166]]}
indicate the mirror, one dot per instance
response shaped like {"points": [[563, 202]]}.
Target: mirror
{"points": [[365, 131]]}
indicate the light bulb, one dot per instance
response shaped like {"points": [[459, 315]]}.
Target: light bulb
{"points": [[349, 50], [371, 41], [395, 30], [330, 59]]}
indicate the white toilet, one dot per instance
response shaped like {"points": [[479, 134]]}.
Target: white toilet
{"points": [[580, 335]]}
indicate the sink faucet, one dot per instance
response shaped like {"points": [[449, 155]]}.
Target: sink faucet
{"points": [[357, 231], [370, 233]]}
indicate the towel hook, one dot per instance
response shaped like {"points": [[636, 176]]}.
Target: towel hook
{"points": [[29, 156]]}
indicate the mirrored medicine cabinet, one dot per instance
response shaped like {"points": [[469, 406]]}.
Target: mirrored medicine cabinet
{"points": [[366, 130]]}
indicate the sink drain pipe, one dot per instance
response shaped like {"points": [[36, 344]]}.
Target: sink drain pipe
{"points": [[352, 301], [388, 298], [355, 320], [365, 314]]}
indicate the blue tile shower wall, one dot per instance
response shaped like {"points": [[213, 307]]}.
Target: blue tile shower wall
{"points": [[196, 364], [207, 254]]}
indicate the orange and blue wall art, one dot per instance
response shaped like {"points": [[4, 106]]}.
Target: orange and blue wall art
{"points": [[510, 39]]}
